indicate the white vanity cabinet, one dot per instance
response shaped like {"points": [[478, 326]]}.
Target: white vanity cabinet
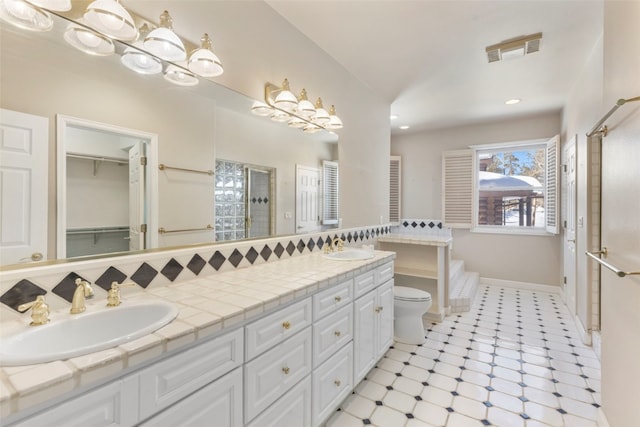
{"points": [[115, 404], [373, 322]]}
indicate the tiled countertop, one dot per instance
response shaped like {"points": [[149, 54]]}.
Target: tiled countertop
{"points": [[416, 239], [208, 305]]}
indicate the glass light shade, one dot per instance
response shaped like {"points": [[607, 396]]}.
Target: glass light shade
{"points": [[321, 117], [164, 43], [334, 120], [88, 41], [305, 107], [286, 100], [261, 109], [58, 5], [297, 122], [24, 15], [179, 76], [311, 128], [203, 61], [110, 18], [140, 62], [280, 116]]}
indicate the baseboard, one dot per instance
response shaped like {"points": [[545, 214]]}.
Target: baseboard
{"points": [[585, 335], [521, 285], [602, 419]]}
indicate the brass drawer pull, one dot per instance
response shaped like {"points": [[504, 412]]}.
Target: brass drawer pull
{"points": [[337, 333], [378, 309], [285, 370], [286, 325], [337, 383], [338, 298]]}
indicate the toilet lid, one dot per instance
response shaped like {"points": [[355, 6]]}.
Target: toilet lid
{"points": [[410, 294]]}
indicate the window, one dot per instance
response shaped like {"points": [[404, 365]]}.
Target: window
{"points": [[395, 189], [329, 192], [502, 187]]}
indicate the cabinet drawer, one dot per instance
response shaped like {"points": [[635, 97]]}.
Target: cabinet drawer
{"points": [[331, 333], [363, 283], [293, 409], [220, 401], [172, 379], [112, 405], [267, 377], [384, 273], [263, 334], [332, 299], [332, 382]]}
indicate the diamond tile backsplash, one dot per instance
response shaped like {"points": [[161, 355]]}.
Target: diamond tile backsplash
{"points": [[429, 227], [160, 268]]}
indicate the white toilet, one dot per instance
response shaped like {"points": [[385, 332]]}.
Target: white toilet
{"points": [[409, 305]]}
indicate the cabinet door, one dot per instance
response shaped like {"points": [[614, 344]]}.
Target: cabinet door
{"points": [[293, 409], [364, 335], [331, 333], [172, 379], [268, 376], [115, 404], [332, 382], [384, 317], [219, 404]]}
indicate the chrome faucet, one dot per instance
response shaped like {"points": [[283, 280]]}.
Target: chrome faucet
{"points": [[83, 290]]}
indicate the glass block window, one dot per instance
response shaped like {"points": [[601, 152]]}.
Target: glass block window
{"points": [[230, 190]]}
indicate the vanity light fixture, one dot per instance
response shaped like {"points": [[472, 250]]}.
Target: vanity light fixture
{"points": [[57, 5], [180, 76], [283, 106], [163, 42], [137, 60], [112, 19], [25, 15], [203, 61], [88, 41]]}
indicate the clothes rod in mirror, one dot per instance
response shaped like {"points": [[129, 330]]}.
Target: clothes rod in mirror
{"points": [[598, 128], [162, 167], [163, 230]]}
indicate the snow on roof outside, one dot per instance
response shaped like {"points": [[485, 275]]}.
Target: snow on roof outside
{"points": [[498, 182]]}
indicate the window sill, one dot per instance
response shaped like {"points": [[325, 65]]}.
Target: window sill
{"points": [[512, 231]]}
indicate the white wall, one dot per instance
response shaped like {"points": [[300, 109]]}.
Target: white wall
{"points": [[507, 257]]}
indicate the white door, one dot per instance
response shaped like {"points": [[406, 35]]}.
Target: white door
{"points": [[569, 247], [24, 152], [307, 194], [137, 163]]}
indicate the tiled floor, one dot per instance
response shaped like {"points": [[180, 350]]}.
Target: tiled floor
{"points": [[514, 360]]}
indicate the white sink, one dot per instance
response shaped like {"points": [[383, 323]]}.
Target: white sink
{"points": [[350, 255], [84, 333]]}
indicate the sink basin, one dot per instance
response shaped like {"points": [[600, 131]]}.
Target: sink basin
{"points": [[350, 255], [84, 333]]}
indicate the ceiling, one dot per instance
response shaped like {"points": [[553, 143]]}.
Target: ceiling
{"points": [[428, 59]]}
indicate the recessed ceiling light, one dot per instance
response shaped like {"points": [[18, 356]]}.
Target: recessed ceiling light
{"points": [[404, 127], [393, 116], [512, 101]]}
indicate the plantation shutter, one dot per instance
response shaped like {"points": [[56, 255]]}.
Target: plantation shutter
{"points": [[457, 188], [395, 193], [551, 185], [329, 192]]}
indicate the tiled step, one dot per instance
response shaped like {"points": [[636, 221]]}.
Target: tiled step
{"points": [[463, 287]]}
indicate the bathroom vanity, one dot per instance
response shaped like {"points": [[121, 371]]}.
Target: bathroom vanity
{"points": [[422, 262], [295, 339]]}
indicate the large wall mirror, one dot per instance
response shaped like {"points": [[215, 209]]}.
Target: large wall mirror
{"points": [[98, 114]]}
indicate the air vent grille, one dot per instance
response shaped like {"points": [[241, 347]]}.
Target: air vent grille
{"points": [[514, 48]]}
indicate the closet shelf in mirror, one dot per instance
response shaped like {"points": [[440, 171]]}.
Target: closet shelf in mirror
{"points": [[162, 167]]}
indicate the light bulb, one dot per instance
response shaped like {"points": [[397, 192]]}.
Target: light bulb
{"points": [[88, 38]]}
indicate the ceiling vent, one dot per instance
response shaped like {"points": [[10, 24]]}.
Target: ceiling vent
{"points": [[514, 48]]}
